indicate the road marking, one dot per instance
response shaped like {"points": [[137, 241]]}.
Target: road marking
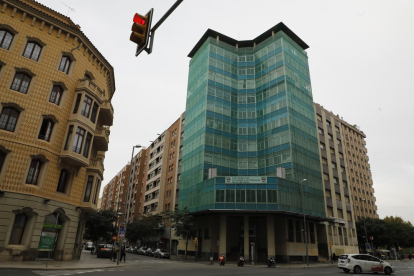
{"points": [[297, 274]]}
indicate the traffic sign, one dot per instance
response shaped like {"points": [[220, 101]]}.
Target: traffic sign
{"points": [[371, 238], [368, 247], [114, 238], [122, 230]]}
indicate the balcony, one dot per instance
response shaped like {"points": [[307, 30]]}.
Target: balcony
{"points": [[73, 157], [106, 115], [85, 84], [96, 165], [101, 138]]}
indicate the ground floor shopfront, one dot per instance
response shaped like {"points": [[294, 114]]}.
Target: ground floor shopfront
{"points": [[260, 235], [34, 228]]}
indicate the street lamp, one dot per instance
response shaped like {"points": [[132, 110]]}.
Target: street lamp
{"points": [[127, 194], [304, 221]]}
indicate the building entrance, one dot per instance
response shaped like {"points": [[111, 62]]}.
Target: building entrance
{"points": [[49, 237]]}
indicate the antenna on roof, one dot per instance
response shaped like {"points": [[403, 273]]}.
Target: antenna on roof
{"points": [[70, 9]]}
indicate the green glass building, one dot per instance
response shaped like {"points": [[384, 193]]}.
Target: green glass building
{"points": [[249, 112]]}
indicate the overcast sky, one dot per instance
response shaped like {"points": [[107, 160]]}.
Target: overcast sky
{"points": [[361, 60]]}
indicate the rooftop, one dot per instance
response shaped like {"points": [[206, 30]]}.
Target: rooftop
{"points": [[248, 43]]}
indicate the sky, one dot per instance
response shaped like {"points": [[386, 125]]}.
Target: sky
{"points": [[361, 59]]}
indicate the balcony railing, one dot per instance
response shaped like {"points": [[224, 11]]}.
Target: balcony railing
{"points": [[85, 83]]}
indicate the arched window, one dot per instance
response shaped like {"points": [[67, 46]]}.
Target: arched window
{"points": [[46, 129], [5, 39], [65, 64], [21, 82], [56, 94], [32, 51], [34, 171], [8, 118], [18, 229]]}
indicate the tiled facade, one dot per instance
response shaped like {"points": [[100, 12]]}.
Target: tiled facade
{"points": [[46, 169]]}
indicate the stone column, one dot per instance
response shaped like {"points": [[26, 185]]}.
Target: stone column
{"points": [[223, 232], [271, 236], [246, 237]]}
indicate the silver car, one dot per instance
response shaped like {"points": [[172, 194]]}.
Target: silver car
{"points": [[161, 253]]}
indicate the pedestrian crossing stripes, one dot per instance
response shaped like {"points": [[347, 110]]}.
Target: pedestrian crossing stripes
{"points": [[64, 272], [141, 262]]}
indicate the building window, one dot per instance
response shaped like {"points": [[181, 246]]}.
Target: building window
{"points": [[8, 118], [56, 94], [2, 159], [322, 145], [18, 229], [63, 181], [298, 231], [98, 187], [64, 64], [34, 171], [5, 39], [46, 130], [69, 137], [261, 196], [77, 144], [291, 232], [86, 107], [32, 51], [21, 83], [87, 145], [78, 99], [94, 112], [328, 123], [88, 189], [320, 131]]}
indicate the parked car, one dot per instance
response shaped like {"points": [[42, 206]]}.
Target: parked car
{"points": [[89, 246], [142, 250], [161, 253], [150, 252], [104, 251], [135, 250], [129, 249], [363, 263]]}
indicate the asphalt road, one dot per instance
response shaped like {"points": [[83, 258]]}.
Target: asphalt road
{"points": [[148, 266]]}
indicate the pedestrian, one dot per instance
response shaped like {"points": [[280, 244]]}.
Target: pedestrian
{"points": [[334, 256], [211, 256], [123, 253], [115, 253]]}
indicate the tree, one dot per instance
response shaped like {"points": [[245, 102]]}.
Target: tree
{"points": [[143, 228], [100, 225], [183, 223], [390, 232]]}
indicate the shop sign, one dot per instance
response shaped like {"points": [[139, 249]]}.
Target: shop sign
{"points": [[246, 179]]}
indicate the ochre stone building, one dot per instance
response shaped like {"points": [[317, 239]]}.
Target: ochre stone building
{"points": [[55, 117]]}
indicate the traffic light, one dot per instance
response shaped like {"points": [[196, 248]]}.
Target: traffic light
{"points": [[141, 31], [196, 241]]}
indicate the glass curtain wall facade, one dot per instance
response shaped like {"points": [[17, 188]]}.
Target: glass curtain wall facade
{"points": [[250, 110]]}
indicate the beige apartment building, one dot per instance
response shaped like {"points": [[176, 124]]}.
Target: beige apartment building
{"points": [[154, 182], [340, 230], [55, 117], [358, 168]]}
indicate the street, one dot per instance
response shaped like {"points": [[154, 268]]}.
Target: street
{"points": [[152, 266]]}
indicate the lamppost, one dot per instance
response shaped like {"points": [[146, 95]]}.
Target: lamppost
{"points": [[127, 195], [304, 222]]}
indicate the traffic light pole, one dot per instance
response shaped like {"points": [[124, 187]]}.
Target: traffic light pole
{"points": [[165, 16]]}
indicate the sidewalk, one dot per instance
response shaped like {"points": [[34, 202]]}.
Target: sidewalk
{"points": [[87, 261]]}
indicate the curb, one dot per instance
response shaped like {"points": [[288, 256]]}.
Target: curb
{"points": [[62, 268]]}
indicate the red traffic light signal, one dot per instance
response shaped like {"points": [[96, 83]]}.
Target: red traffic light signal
{"points": [[141, 31]]}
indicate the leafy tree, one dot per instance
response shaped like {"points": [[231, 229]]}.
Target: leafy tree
{"points": [[100, 225], [390, 232], [143, 228], [183, 223]]}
